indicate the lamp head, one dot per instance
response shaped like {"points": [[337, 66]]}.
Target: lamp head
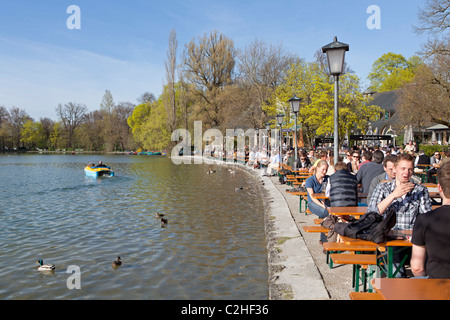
{"points": [[336, 55]]}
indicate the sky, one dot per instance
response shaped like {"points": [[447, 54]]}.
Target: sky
{"points": [[121, 46]]}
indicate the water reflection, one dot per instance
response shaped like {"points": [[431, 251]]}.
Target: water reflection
{"points": [[212, 248]]}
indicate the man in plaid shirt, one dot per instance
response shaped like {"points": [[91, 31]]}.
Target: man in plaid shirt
{"points": [[406, 198]]}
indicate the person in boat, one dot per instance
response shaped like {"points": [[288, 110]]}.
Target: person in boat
{"points": [[101, 165]]}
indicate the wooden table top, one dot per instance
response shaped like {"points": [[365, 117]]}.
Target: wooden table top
{"points": [[402, 240], [434, 195], [430, 185], [347, 211], [412, 289], [323, 196]]}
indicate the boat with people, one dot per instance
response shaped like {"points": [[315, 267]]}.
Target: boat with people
{"points": [[99, 170], [150, 153]]}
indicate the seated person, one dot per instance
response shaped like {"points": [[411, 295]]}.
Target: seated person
{"points": [[434, 162], [303, 161], [430, 238], [274, 163], [314, 184], [421, 159], [342, 187], [388, 174], [101, 165], [323, 155], [252, 157], [407, 199]]}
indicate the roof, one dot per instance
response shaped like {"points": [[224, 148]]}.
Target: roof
{"points": [[385, 100], [438, 127]]}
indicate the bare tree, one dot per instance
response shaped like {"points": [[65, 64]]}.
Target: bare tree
{"points": [[434, 17], [47, 127], [17, 118], [261, 68], [423, 102], [72, 116], [171, 70], [146, 97], [4, 126]]}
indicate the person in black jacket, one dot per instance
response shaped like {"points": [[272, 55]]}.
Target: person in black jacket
{"points": [[430, 238], [342, 187], [422, 158], [303, 160]]}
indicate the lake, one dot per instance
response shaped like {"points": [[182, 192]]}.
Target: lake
{"points": [[213, 246]]}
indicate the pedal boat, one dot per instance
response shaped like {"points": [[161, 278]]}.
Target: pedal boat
{"points": [[98, 171]]}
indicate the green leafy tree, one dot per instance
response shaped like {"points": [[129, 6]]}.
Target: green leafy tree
{"points": [[148, 123], [309, 82], [56, 136], [32, 135], [391, 71]]}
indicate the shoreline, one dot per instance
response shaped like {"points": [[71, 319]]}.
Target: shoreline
{"points": [[292, 270]]}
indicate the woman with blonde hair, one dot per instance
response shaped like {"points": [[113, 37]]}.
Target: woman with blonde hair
{"points": [[317, 184]]}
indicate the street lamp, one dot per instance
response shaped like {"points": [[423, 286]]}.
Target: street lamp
{"points": [[280, 117], [295, 106], [336, 55]]}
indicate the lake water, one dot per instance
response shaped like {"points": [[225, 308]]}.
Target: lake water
{"points": [[213, 246]]}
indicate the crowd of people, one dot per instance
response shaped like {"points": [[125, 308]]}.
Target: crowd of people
{"points": [[392, 179]]}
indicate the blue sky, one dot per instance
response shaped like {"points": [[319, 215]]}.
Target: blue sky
{"points": [[122, 45]]}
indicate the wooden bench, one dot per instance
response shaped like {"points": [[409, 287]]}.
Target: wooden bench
{"points": [[338, 247], [360, 263], [315, 229], [348, 258], [290, 179], [365, 296], [318, 221], [303, 196]]}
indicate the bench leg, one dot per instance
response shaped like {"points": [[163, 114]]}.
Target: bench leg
{"points": [[300, 204], [356, 268]]}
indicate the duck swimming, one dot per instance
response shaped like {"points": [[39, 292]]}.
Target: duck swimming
{"points": [[117, 262], [164, 222], [45, 267], [159, 215]]}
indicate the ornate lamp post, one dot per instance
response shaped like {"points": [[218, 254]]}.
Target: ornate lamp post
{"points": [[336, 55], [295, 106]]}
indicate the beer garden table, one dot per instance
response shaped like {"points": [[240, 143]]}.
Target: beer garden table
{"points": [[412, 289]]}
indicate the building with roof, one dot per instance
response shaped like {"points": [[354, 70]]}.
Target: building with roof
{"points": [[388, 123]]}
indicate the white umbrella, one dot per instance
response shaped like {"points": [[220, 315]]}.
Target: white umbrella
{"points": [[405, 136]]}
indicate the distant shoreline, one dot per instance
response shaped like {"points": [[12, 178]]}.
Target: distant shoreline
{"points": [[64, 152]]}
